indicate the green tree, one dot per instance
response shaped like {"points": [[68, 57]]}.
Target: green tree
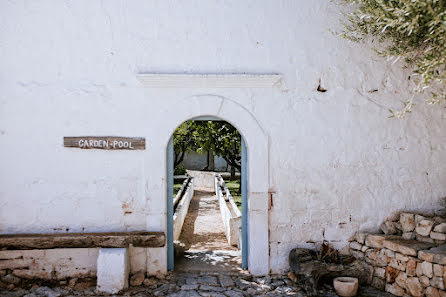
{"points": [[219, 137], [414, 30], [184, 140]]}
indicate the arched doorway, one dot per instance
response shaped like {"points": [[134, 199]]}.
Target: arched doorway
{"points": [[257, 167], [225, 259]]}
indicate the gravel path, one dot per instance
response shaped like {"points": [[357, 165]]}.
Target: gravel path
{"points": [[203, 227]]}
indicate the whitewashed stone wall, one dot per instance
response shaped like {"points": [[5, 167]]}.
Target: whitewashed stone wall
{"points": [[336, 163]]}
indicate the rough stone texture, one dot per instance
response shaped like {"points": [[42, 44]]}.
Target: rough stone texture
{"points": [[431, 292], [355, 245], [438, 270], [434, 255], [391, 274], [379, 272], [375, 240], [137, 279], [424, 280], [394, 289], [411, 267], [408, 235], [401, 280], [424, 227], [405, 247], [425, 268], [360, 237], [437, 282], [414, 287], [389, 228], [440, 228], [407, 221], [438, 236]]}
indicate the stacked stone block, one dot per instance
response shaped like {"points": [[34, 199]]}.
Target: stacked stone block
{"points": [[409, 259]]}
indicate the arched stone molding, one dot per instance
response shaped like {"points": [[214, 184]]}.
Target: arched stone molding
{"points": [[257, 146]]}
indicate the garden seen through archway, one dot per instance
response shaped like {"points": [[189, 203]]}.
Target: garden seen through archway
{"points": [[207, 196]]}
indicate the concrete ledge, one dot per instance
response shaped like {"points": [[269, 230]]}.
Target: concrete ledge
{"points": [[182, 208], [231, 215], [113, 270]]}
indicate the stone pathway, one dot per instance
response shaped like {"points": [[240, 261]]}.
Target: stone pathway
{"points": [[204, 238], [189, 285], [203, 227]]}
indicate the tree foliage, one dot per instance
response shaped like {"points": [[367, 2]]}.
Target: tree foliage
{"points": [[414, 30], [214, 136]]}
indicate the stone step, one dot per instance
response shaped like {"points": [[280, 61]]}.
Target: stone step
{"points": [[435, 255], [409, 247]]}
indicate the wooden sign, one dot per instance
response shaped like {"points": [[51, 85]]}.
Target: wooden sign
{"points": [[105, 142]]}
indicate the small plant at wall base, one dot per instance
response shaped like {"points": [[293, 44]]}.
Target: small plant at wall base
{"points": [[412, 30]]}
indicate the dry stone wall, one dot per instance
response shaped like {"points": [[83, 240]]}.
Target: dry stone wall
{"points": [[409, 258]]}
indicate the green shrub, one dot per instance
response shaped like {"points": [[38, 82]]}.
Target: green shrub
{"points": [[414, 30], [179, 170]]}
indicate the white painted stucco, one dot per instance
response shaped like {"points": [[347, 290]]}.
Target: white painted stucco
{"points": [[334, 162]]}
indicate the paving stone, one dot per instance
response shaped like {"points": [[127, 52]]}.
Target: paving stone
{"points": [[404, 246], [211, 288], [211, 294], [191, 281], [189, 287], [188, 293], [277, 283], [207, 280], [225, 281], [233, 294]]}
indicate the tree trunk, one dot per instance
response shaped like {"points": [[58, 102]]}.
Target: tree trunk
{"points": [[232, 173], [211, 164]]}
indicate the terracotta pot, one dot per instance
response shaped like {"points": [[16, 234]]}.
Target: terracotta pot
{"points": [[346, 286]]}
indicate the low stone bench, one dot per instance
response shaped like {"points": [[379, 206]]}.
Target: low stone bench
{"points": [[112, 262]]}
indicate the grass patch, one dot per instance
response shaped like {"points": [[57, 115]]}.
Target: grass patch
{"points": [[176, 187], [234, 186]]}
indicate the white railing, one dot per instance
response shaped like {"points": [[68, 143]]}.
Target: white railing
{"points": [[231, 215], [181, 206]]}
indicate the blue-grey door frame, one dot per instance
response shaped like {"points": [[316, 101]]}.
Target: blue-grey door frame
{"points": [[169, 173], [244, 182], [244, 206]]}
